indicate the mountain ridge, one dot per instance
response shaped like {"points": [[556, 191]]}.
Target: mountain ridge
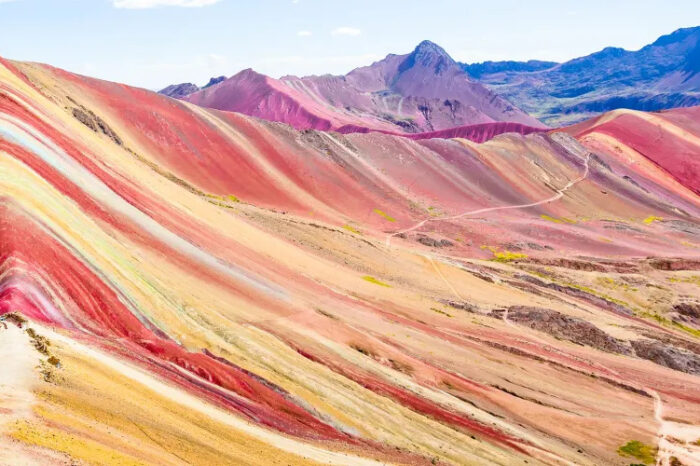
{"points": [[222, 289], [660, 75], [424, 90]]}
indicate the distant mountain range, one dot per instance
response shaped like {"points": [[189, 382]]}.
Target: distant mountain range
{"points": [[427, 90], [661, 75]]}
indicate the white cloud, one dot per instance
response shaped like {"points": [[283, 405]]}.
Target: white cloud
{"points": [[304, 33], [143, 4], [346, 31]]}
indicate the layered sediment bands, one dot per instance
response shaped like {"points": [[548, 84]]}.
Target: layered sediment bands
{"points": [[214, 288]]}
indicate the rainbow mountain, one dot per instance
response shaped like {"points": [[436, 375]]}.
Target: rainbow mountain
{"points": [[183, 285]]}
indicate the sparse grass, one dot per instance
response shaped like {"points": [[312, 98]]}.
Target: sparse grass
{"points": [[385, 215], [221, 201], [546, 274], [670, 323], [352, 229], [441, 312], [508, 256], [369, 278], [434, 211], [636, 449], [606, 297], [693, 331], [505, 255], [611, 283], [558, 220], [693, 279]]}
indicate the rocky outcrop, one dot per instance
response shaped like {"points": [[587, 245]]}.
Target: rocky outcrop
{"points": [[462, 305], [669, 264], [577, 293], [668, 356], [688, 309], [434, 243], [178, 91], [214, 81], [95, 123], [686, 312], [564, 327]]}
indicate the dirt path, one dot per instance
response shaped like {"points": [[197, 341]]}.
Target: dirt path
{"points": [[559, 194], [675, 439], [683, 435]]}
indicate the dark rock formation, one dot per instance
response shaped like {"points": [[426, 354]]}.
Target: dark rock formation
{"points": [[460, 305], [214, 81], [565, 327], [674, 264], [688, 309], [178, 91], [95, 123], [434, 243], [668, 356]]}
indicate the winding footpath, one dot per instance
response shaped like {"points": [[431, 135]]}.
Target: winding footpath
{"points": [[559, 194], [667, 430], [674, 440]]}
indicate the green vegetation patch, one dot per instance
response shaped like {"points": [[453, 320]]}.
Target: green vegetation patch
{"points": [[611, 283], [641, 451], [692, 331], [371, 279], [693, 279], [505, 255], [558, 220], [440, 312], [385, 215], [352, 229]]}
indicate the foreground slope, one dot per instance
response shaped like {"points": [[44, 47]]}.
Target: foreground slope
{"points": [[661, 75], [425, 90], [203, 287]]}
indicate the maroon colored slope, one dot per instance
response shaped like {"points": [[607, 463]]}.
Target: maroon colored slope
{"points": [[477, 133], [423, 91]]}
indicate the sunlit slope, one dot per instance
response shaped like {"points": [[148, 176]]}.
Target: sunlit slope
{"points": [[669, 139], [208, 288]]}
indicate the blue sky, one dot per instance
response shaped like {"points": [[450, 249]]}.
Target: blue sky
{"points": [[152, 43]]}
